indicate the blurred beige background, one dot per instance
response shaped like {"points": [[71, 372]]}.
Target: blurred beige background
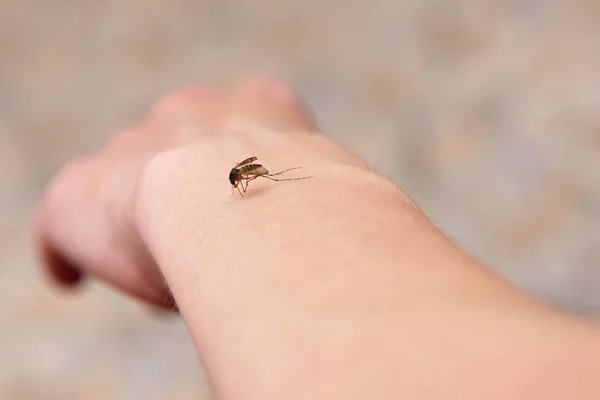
{"points": [[486, 112]]}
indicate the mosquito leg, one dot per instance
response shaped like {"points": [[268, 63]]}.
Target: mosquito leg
{"points": [[270, 176], [237, 186], [248, 181], [286, 179]]}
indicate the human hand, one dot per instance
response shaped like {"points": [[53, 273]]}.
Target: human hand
{"points": [[85, 222]]}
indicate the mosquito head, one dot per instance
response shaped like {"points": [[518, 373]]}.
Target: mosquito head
{"points": [[232, 175]]}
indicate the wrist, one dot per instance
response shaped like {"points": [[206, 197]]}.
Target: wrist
{"points": [[345, 215], [185, 186]]}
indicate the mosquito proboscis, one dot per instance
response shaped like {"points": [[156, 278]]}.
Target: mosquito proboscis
{"points": [[246, 171]]}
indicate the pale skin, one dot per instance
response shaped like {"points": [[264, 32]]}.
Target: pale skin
{"points": [[334, 287]]}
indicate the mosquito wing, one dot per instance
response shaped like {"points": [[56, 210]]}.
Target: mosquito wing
{"points": [[246, 161], [259, 171]]}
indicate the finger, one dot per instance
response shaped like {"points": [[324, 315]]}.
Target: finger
{"points": [[57, 268], [131, 275], [61, 226], [269, 104]]}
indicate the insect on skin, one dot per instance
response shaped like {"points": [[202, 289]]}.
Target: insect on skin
{"points": [[245, 171]]}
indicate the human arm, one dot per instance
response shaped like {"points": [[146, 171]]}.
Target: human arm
{"points": [[332, 287]]}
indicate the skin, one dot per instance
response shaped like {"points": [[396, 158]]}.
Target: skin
{"points": [[332, 287]]}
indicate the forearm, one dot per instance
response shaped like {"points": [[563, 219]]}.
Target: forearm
{"points": [[331, 287]]}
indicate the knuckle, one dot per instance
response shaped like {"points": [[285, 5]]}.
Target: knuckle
{"points": [[73, 168], [264, 86], [187, 97], [65, 181], [122, 139]]}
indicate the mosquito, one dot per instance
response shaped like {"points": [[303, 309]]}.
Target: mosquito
{"points": [[245, 171]]}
